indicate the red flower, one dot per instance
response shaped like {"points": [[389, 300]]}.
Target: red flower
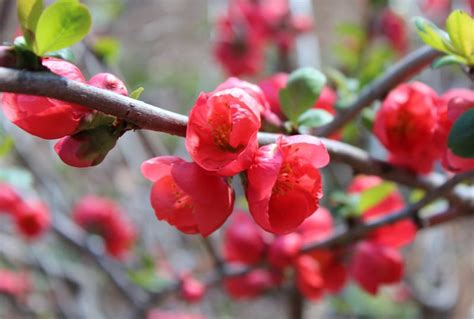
{"points": [[243, 240], [284, 184], [249, 285], [186, 196], [159, 314], [317, 226], [45, 117], [192, 290], [458, 101], [9, 198], [373, 265], [407, 124], [105, 218], [109, 82], [284, 250], [255, 92], [222, 131], [15, 284], [393, 27], [32, 219], [394, 235], [308, 278]]}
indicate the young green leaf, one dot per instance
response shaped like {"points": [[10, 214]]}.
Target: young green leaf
{"points": [[447, 60], [372, 196], [136, 93], [315, 118], [107, 48], [460, 27], [433, 36], [29, 12], [301, 92], [61, 25], [461, 137], [6, 144]]}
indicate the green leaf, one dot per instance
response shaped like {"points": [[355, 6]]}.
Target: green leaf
{"points": [[433, 36], [61, 25], [136, 93], [6, 144], [301, 92], [374, 195], [447, 60], [315, 118], [461, 137], [107, 48], [29, 12], [460, 27]]}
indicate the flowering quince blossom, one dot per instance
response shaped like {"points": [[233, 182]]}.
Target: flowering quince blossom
{"points": [[457, 101], [46, 117], [308, 278], [186, 196], [32, 219], [105, 218], [243, 240], [160, 314], [15, 284], [9, 198], [109, 82], [249, 285], [192, 290], [408, 125], [373, 265], [394, 28], [222, 131], [284, 184], [394, 235]]}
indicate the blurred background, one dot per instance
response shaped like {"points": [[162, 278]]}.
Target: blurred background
{"points": [[165, 46]]}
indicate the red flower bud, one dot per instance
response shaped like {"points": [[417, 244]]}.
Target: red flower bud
{"points": [[283, 178], [159, 314], [243, 240], [308, 278], [45, 117], [192, 290], [317, 226], [394, 28], [222, 131], [373, 265], [284, 250], [9, 198], [15, 284], [32, 219], [407, 124], [87, 148], [271, 88], [250, 285], [186, 196], [109, 82], [395, 235]]}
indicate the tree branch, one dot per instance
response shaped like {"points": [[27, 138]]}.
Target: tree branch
{"points": [[398, 73]]}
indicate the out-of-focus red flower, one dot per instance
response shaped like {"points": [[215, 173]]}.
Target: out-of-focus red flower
{"points": [[284, 183], [160, 314], [15, 284], [186, 196], [243, 240], [457, 102], [271, 87], [222, 131], [109, 82], [284, 249], [192, 290], [316, 226], [32, 219], [105, 218], [46, 117], [9, 198], [407, 124], [308, 278], [254, 91], [250, 285], [436, 9], [394, 28], [394, 235], [373, 265]]}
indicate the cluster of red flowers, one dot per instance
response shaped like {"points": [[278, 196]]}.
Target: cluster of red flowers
{"points": [[31, 217], [371, 263], [221, 138], [86, 135], [105, 218], [14, 284], [243, 32], [413, 123]]}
